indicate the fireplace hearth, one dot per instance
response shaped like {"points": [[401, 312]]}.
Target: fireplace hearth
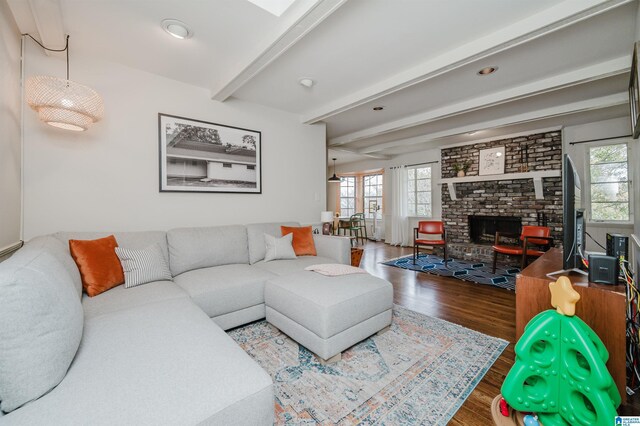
{"points": [[482, 229]]}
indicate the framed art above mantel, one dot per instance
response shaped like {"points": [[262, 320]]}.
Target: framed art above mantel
{"points": [[491, 161], [199, 156]]}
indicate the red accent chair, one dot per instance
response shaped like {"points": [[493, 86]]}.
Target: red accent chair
{"points": [[537, 236], [434, 227]]}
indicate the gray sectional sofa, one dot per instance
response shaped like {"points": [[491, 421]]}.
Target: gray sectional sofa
{"points": [[153, 354]]}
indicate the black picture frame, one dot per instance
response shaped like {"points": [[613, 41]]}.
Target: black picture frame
{"points": [[634, 94], [202, 156]]}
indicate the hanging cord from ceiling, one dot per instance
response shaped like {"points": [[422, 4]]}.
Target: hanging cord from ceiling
{"points": [[66, 48]]}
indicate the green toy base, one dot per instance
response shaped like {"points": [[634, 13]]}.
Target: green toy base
{"points": [[516, 418]]}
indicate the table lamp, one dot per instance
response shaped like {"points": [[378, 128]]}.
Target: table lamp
{"points": [[326, 218]]}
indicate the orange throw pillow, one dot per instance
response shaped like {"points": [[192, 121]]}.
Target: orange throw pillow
{"points": [[303, 244], [98, 263]]}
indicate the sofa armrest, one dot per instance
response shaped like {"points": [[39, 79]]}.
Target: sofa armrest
{"points": [[334, 247]]}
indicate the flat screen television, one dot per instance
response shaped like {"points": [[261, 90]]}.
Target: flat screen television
{"points": [[573, 218]]}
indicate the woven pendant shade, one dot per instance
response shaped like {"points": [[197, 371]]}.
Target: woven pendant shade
{"points": [[63, 103]]}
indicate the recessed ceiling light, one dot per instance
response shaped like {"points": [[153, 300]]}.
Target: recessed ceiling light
{"points": [[378, 108], [487, 70], [177, 29], [306, 82]]}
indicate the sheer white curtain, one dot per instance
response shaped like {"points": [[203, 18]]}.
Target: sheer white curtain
{"points": [[399, 215]]}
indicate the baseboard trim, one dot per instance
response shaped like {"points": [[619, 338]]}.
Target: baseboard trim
{"points": [[10, 249]]}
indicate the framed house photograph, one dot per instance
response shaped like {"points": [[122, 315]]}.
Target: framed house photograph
{"points": [[198, 156], [491, 161], [634, 94]]}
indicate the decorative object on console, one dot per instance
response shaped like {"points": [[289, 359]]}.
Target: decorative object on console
{"points": [[303, 244], [98, 263], [279, 248], [334, 178], [491, 161], [143, 266], [327, 222], [634, 94], [60, 102], [199, 156]]}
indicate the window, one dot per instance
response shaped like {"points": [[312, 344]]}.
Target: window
{"points": [[609, 183], [372, 195], [347, 195], [419, 196], [251, 167], [226, 165]]}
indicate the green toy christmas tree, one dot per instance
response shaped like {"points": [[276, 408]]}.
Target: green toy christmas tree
{"points": [[560, 371]]}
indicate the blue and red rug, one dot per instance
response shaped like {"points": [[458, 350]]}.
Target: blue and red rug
{"points": [[417, 373], [479, 273]]}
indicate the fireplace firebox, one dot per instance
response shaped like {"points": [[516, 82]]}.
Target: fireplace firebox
{"points": [[482, 229]]}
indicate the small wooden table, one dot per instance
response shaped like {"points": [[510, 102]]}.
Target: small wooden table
{"points": [[602, 307], [343, 223]]}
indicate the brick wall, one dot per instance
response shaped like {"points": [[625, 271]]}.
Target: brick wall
{"points": [[504, 197]]}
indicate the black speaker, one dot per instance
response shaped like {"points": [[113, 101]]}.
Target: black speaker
{"points": [[603, 269], [618, 246]]}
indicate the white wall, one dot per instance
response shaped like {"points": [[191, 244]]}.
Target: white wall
{"points": [[578, 154], [107, 177], [10, 161], [413, 158]]}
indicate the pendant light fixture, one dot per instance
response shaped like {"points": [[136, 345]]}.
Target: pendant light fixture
{"points": [[63, 103], [334, 178]]}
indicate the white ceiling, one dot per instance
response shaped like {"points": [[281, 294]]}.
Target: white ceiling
{"points": [[560, 62]]}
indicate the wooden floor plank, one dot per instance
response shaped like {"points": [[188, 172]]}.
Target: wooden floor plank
{"points": [[487, 309]]}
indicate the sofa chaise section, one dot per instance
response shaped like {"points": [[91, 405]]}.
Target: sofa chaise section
{"points": [[223, 270]]}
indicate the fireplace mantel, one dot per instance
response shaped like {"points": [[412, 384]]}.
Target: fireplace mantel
{"points": [[536, 176]]}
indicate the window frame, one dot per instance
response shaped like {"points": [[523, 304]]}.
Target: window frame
{"points": [[340, 197], [365, 207], [586, 192], [414, 213]]}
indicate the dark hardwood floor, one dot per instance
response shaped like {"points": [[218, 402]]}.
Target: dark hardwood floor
{"points": [[483, 308]]}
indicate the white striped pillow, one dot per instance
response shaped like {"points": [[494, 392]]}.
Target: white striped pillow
{"points": [[143, 266]]}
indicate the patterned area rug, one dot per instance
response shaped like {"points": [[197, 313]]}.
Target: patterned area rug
{"points": [[475, 272], [417, 373]]}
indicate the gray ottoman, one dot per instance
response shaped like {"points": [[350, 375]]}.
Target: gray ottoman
{"points": [[328, 314]]}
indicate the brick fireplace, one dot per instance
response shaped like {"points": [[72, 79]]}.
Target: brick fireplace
{"points": [[482, 229], [501, 205]]}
